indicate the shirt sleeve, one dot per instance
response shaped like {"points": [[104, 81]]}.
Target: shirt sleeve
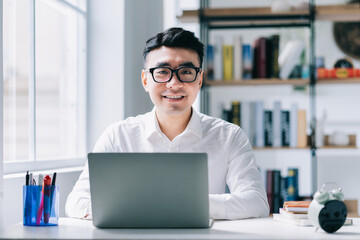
{"points": [[247, 197], [78, 203]]}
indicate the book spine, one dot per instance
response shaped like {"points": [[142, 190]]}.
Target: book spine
{"points": [[210, 62], [218, 58], [269, 58], [268, 135], [277, 124], [245, 110], [276, 190], [269, 189], [262, 58], [235, 112], [247, 62], [292, 184], [275, 39], [238, 66], [302, 136], [259, 124], [293, 125], [285, 128], [228, 60]]}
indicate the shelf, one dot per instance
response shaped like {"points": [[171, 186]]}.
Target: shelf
{"points": [[260, 81], [295, 82], [262, 17], [338, 81], [344, 13]]}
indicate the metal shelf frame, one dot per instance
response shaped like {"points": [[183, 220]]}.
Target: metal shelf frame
{"points": [[208, 23]]}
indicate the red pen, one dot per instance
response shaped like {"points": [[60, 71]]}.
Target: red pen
{"points": [[46, 190]]}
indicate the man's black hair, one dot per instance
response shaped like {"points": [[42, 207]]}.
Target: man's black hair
{"points": [[175, 37]]}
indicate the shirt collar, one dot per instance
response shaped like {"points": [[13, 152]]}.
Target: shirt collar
{"points": [[194, 124], [152, 125]]}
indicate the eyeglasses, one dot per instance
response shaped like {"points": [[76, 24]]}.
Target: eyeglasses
{"points": [[165, 74]]}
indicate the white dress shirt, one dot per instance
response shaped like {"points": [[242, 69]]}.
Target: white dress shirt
{"points": [[230, 161]]}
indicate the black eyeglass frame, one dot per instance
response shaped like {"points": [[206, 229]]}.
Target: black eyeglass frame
{"points": [[151, 70]]}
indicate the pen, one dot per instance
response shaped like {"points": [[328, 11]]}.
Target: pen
{"points": [[47, 193], [31, 180], [41, 206], [52, 191], [27, 207], [53, 179], [27, 178]]}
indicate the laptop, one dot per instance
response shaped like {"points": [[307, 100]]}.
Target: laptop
{"points": [[149, 190]]}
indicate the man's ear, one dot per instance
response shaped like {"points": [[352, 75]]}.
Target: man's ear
{"points": [[144, 80], [201, 78]]}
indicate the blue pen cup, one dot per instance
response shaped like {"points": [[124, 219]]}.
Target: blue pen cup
{"points": [[41, 207]]}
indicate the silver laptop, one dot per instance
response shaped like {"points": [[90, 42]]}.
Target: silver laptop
{"points": [[149, 190]]}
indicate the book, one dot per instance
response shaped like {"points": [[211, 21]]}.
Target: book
{"points": [[245, 118], [287, 214], [238, 66], [276, 124], [274, 56], [268, 135], [259, 124], [247, 61], [296, 206], [218, 58], [285, 128], [277, 202], [210, 62], [301, 129], [292, 185], [228, 62], [259, 68], [289, 57], [235, 112], [293, 125], [269, 189]]}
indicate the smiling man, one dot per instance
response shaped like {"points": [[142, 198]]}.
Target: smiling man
{"points": [[172, 76]]}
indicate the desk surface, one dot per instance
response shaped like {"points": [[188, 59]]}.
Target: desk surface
{"points": [[262, 228]]}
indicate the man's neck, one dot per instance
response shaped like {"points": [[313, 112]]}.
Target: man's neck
{"points": [[173, 125]]}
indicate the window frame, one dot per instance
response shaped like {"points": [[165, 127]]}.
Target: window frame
{"points": [[33, 164]]}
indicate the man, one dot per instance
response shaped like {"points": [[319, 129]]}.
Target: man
{"points": [[173, 76]]}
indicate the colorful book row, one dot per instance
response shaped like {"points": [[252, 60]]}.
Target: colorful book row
{"points": [[274, 127]]}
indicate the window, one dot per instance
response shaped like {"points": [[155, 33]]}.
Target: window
{"points": [[44, 48]]}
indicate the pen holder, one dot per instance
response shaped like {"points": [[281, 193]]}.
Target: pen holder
{"points": [[41, 205]]}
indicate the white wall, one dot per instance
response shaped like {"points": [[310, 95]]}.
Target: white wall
{"points": [[105, 97], [141, 23], [1, 119]]}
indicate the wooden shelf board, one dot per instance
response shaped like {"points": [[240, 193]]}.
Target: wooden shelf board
{"points": [[338, 80], [348, 12], [291, 148], [260, 81]]}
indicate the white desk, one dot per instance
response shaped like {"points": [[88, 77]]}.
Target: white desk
{"points": [[263, 228]]}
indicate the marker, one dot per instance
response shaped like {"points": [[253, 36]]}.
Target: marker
{"points": [[47, 194]]}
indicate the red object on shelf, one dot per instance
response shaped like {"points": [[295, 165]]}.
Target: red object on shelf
{"points": [[338, 73]]}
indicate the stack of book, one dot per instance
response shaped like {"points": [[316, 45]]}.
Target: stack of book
{"points": [[295, 212]]}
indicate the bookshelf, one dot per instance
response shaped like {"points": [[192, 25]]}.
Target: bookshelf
{"points": [[242, 18]]}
